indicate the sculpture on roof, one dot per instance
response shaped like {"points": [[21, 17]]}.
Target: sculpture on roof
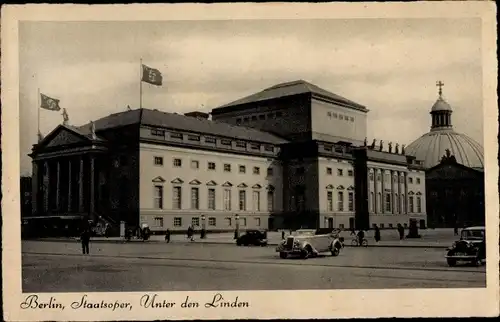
{"points": [[373, 144], [403, 149], [390, 147], [366, 141], [396, 150], [65, 117], [381, 147], [128, 108], [448, 153], [92, 130]]}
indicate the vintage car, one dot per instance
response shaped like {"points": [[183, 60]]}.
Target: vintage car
{"points": [[253, 237], [470, 248], [310, 242]]}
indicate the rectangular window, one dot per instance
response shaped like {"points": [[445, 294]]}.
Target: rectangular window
{"points": [[269, 172], [352, 119], [329, 200], [257, 222], [227, 199], [329, 171], [340, 202], [256, 170], [228, 222], [254, 118], [211, 199], [195, 198], [158, 161], [194, 137], [210, 140], [327, 148], [387, 202], [227, 167], [158, 133], [195, 221], [410, 199], [350, 173], [243, 169], [177, 163], [225, 142], [159, 222], [418, 180], [240, 144], [410, 180], [242, 200], [211, 166], [255, 146], [390, 226], [176, 198], [158, 197], [195, 164], [419, 205], [350, 204], [270, 201], [340, 172], [177, 221], [243, 221], [256, 200], [212, 221], [174, 135], [269, 148]]}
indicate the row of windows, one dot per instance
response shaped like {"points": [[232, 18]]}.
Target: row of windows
{"points": [[340, 172], [340, 201], [212, 221], [399, 202], [195, 164], [211, 140], [212, 199], [394, 178], [260, 117], [340, 116]]}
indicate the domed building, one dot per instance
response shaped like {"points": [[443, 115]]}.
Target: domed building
{"points": [[431, 147]]}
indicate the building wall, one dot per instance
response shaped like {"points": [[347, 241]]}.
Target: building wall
{"points": [[187, 177], [331, 122]]}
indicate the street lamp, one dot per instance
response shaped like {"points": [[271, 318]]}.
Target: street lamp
{"points": [[203, 231], [237, 231]]}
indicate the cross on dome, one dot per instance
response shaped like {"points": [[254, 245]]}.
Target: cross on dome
{"points": [[440, 85]]}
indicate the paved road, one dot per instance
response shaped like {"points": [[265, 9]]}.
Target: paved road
{"points": [[59, 267]]}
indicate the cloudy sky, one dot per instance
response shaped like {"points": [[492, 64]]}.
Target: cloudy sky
{"points": [[389, 65]]}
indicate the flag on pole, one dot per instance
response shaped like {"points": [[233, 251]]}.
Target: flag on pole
{"points": [[49, 103], [151, 76]]}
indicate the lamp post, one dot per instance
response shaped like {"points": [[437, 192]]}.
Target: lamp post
{"points": [[237, 231], [203, 231]]}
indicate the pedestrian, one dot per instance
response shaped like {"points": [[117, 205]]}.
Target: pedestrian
{"points": [[377, 234], [455, 230], [282, 234], [361, 236], [401, 231], [190, 233], [85, 239], [167, 236]]}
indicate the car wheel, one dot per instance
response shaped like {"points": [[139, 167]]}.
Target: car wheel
{"points": [[335, 251], [364, 243], [283, 255], [354, 242], [477, 262], [451, 262]]}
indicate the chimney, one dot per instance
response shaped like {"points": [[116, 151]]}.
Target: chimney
{"points": [[198, 115]]}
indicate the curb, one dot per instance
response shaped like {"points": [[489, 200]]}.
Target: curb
{"points": [[113, 241]]}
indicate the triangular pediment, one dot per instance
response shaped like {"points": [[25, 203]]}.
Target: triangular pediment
{"points": [[330, 186], [411, 193], [195, 182], [227, 184], [177, 181], [256, 186], [211, 183], [158, 180], [419, 193], [62, 136], [341, 187], [350, 188], [242, 185]]}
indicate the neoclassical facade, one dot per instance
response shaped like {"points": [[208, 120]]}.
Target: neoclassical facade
{"points": [[293, 155]]}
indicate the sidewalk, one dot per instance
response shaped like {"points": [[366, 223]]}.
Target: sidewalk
{"points": [[438, 238]]}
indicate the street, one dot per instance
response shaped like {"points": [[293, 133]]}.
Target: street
{"points": [[60, 267]]}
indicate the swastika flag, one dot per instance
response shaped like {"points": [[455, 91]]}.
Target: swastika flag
{"points": [[151, 76], [49, 103]]}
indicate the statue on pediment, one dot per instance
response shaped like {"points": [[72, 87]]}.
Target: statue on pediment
{"points": [[448, 153], [397, 148], [390, 147], [373, 144], [65, 117], [403, 149], [381, 147], [365, 142]]}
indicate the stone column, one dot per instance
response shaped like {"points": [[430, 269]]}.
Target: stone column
{"points": [[406, 192], [400, 200], [375, 189], [34, 188], [391, 173], [46, 193], [368, 196], [80, 187], [58, 185], [70, 183], [92, 186], [382, 190]]}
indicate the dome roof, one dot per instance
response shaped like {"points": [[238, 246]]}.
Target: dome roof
{"points": [[431, 147], [441, 105]]}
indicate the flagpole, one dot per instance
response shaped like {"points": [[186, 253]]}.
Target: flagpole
{"points": [[38, 112], [140, 84]]}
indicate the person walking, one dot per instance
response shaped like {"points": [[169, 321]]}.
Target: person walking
{"points": [[361, 236], [401, 231], [85, 239], [167, 236], [282, 234], [190, 233], [377, 234]]}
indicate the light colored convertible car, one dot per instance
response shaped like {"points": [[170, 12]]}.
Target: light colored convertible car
{"points": [[311, 242]]}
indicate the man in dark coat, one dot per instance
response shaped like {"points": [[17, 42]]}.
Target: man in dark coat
{"points": [[361, 236], [401, 231], [85, 239], [377, 234], [167, 236]]}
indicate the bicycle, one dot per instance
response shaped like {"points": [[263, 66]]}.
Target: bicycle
{"points": [[355, 242]]}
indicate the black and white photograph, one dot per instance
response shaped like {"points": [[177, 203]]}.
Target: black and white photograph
{"points": [[203, 163]]}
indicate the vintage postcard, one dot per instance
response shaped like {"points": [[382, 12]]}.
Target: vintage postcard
{"points": [[249, 161]]}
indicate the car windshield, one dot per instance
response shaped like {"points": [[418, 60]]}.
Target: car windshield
{"points": [[472, 234], [304, 232]]}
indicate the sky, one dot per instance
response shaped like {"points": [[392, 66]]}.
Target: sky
{"points": [[388, 65]]}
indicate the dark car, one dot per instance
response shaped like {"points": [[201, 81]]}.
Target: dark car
{"points": [[253, 237], [470, 248]]}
